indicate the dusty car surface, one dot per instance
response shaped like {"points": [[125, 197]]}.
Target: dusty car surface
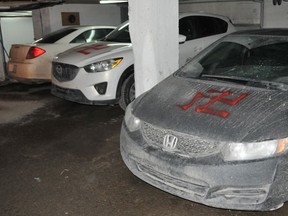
{"points": [[215, 132], [103, 72], [32, 62]]}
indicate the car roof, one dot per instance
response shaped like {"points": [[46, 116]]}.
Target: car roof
{"points": [[181, 15], [264, 32], [90, 26]]}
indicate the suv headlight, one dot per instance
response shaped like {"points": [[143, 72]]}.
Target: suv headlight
{"points": [[255, 150], [101, 66], [133, 123]]}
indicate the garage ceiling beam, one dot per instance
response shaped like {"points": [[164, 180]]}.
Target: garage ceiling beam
{"points": [[8, 6], [82, 2], [186, 1], [209, 1]]}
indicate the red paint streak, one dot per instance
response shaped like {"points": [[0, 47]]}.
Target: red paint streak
{"points": [[197, 96], [92, 47], [205, 108], [234, 102]]}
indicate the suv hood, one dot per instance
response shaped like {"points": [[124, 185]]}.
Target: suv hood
{"points": [[88, 53], [246, 114]]}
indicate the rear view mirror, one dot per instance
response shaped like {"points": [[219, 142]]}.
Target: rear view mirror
{"points": [[182, 39]]}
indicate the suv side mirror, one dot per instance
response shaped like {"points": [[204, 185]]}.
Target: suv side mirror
{"points": [[182, 39]]}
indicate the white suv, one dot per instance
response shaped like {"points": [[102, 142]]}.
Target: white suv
{"points": [[103, 73]]}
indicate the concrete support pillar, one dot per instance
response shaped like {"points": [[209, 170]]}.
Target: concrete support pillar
{"points": [[2, 59], [154, 34], [41, 22]]}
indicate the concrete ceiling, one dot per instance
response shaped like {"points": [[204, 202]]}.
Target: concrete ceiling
{"points": [[18, 5], [22, 2]]}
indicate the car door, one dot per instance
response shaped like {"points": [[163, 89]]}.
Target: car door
{"points": [[200, 32]]}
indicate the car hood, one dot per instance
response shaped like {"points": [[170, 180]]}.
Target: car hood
{"points": [[214, 110], [88, 53]]}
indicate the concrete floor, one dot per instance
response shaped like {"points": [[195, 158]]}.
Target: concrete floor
{"points": [[62, 158]]}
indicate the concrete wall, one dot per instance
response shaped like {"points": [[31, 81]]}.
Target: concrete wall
{"points": [[49, 19], [16, 30], [275, 16], [244, 12]]}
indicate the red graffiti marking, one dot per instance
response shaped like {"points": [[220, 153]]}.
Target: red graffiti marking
{"points": [[214, 96], [86, 51]]}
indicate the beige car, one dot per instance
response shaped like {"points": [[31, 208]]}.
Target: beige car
{"points": [[31, 63]]}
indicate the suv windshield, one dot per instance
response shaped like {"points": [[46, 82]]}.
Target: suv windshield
{"points": [[55, 36], [120, 34], [251, 58]]}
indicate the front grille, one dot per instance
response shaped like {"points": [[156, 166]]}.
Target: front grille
{"points": [[64, 72], [187, 145]]}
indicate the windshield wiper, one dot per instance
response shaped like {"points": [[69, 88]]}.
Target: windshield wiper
{"points": [[267, 84]]}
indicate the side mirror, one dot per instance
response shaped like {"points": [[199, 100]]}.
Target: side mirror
{"points": [[182, 39]]}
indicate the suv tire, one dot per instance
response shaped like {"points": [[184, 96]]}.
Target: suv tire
{"points": [[127, 92]]}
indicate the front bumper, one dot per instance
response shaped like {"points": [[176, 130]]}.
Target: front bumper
{"points": [[255, 185], [81, 88], [76, 95]]}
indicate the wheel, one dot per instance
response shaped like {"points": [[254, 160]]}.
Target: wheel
{"points": [[279, 2], [127, 92], [276, 207], [275, 2]]}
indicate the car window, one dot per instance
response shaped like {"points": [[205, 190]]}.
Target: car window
{"points": [[187, 28], [91, 35], [120, 34], [55, 36], [226, 54], [262, 58], [207, 26], [194, 27]]}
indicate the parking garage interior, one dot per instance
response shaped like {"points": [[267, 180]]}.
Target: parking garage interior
{"points": [[63, 158]]}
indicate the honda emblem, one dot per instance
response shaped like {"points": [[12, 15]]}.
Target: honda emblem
{"points": [[170, 141]]}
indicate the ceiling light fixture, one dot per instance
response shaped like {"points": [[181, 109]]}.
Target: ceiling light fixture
{"points": [[111, 1]]}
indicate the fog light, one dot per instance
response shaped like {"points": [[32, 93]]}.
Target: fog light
{"points": [[101, 88]]}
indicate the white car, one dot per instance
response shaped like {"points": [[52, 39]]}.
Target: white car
{"points": [[103, 72], [32, 62]]}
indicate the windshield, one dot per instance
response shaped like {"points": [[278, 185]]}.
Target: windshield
{"points": [[120, 34], [55, 36], [243, 58]]}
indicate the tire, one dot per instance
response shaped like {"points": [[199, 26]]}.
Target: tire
{"points": [[275, 2], [127, 92]]}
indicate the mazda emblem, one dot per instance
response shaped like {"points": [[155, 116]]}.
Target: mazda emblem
{"points": [[59, 69]]}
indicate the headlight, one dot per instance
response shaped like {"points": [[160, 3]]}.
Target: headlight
{"points": [[256, 150], [132, 122], [102, 65]]}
